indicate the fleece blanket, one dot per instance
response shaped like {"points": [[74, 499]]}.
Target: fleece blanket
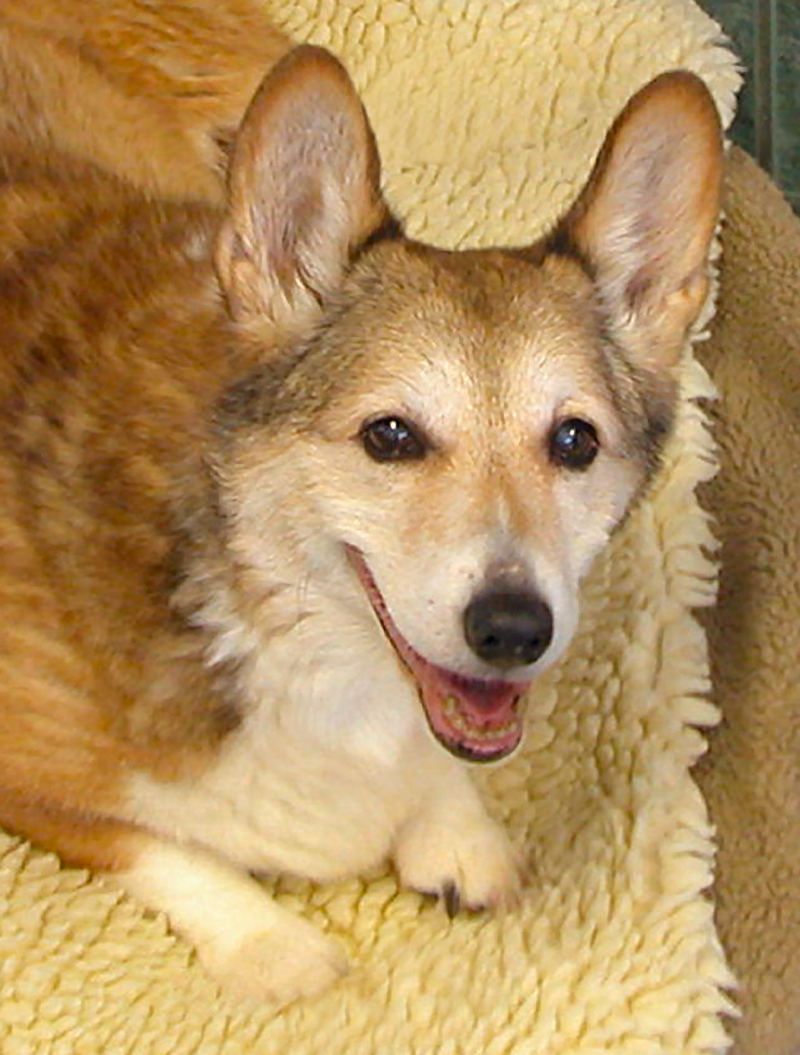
{"points": [[488, 116], [751, 775]]}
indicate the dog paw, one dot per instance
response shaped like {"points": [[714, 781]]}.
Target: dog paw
{"points": [[279, 965], [472, 866]]}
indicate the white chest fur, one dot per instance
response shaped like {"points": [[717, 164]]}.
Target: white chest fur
{"points": [[276, 803]]}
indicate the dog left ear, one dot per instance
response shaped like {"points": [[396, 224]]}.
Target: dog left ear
{"points": [[303, 192], [644, 223]]}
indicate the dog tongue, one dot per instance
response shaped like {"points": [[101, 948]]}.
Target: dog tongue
{"points": [[484, 702], [474, 719]]}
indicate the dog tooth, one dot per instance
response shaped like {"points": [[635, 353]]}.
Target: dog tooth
{"points": [[460, 721]]}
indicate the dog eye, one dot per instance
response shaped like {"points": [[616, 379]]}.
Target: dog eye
{"points": [[392, 440], [574, 444]]}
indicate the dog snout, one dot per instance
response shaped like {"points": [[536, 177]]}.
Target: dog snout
{"points": [[507, 628]]}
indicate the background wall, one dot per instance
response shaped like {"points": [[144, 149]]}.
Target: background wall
{"points": [[766, 35]]}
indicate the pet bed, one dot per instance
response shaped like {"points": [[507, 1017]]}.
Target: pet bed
{"points": [[488, 115], [751, 775]]}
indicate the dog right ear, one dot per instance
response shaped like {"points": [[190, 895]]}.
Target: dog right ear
{"points": [[303, 192], [644, 223]]}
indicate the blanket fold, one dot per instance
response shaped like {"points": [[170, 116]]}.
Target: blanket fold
{"points": [[751, 776]]}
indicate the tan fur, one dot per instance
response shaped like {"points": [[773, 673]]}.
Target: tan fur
{"points": [[193, 682]]}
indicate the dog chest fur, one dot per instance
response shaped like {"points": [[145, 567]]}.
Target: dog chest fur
{"points": [[276, 803]]}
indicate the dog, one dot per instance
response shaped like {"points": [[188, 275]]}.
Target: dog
{"points": [[293, 508]]}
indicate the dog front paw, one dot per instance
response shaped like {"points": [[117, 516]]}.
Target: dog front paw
{"points": [[277, 966], [472, 866]]}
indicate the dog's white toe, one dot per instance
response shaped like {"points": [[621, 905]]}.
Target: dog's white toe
{"points": [[279, 965], [470, 865]]}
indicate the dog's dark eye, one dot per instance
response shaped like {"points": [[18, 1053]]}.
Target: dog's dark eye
{"points": [[574, 444], [392, 440]]}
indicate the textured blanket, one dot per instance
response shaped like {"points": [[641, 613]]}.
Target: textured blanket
{"points": [[488, 115], [751, 776]]}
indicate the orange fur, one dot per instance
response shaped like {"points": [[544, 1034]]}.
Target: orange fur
{"points": [[152, 94]]}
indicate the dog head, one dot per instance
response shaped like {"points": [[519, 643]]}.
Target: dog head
{"points": [[439, 443]]}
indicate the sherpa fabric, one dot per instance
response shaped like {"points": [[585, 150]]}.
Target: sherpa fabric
{"points": [[488, 115], [751, 776]]}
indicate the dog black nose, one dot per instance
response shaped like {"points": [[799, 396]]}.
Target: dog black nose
{"points": [[508, 629]]}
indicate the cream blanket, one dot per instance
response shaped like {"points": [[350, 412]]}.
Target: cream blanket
{"points": [[488, 115]]}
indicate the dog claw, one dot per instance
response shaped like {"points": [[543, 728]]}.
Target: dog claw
{"points": [[452, 899]]}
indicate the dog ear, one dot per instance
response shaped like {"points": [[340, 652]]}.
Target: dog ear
{"points": [[303, 192], [643, 225]]}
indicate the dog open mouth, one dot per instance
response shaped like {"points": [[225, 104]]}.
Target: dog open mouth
{"points": [[475, 719]]}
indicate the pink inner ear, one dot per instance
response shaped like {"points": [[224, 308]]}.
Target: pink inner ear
{"points": [[639, 286], [649, 211], [304, 189], [645, 220], [284, 233]]}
